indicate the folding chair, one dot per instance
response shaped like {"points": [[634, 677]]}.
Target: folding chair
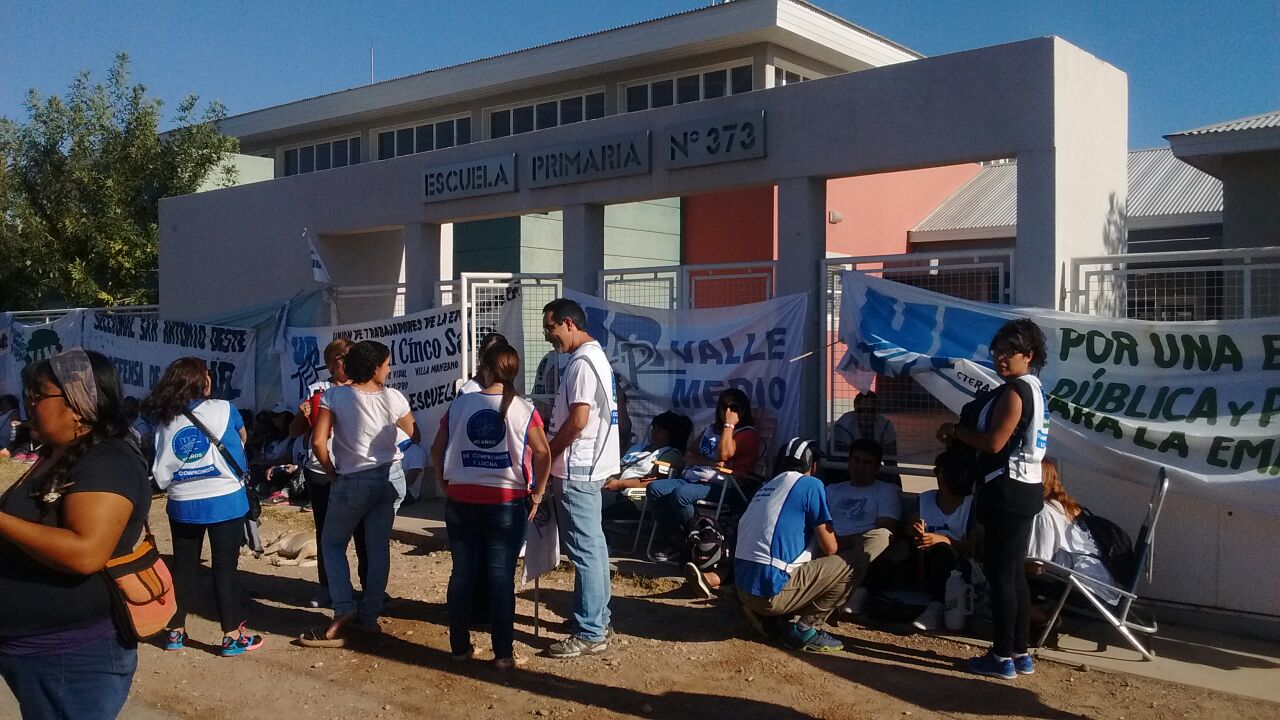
{"points": [[1143, 550], [640, 495]]}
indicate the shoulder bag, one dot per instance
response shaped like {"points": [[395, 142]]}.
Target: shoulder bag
{"points": [[251, 537]]}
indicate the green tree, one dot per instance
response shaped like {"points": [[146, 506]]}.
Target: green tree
{"points": [[80, 184]]}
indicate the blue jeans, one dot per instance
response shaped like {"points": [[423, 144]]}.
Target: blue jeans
{"points": [[87, 683], [484, 539], [368, 497], [577, 508], [671, 500]]}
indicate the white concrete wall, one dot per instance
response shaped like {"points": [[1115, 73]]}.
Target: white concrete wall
{"points": [[249, 169]]}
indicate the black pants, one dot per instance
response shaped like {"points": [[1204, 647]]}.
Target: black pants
{"points": [[1007, 509], [318, 490], [225, 539]]}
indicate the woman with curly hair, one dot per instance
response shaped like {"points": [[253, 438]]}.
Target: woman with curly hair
{"points": [[83, 502], [206, 495], [1010, 435]]}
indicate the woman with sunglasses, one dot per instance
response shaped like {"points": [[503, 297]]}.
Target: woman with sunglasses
{"points": [[83, 502], [1010, 433]]}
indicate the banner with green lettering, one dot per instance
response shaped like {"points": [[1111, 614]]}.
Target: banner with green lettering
{"points": [[1125, 396]]}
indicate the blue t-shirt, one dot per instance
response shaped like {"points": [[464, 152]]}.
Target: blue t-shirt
{"points": [[804, 509], [227, 506]]}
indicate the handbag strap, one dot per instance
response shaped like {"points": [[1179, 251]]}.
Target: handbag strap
{"points": [[217, 442]]}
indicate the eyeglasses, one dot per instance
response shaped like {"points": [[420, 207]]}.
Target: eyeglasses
{"points": [[1005, 352], [34, 399], [548, 329]]}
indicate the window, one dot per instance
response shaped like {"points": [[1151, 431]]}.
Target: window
{"points": [[783, 76], [702, 85], [424, 137], [545, 114], [322, 156]]}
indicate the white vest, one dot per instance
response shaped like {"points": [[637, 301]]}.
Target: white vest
{"points": [[1023, 464], [188, 466], [937, 521], [595, 453], [756, 528], [482, 449]]}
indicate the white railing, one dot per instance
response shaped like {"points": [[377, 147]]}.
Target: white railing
{"points": [[1179, 285], [361, 303], [41, 317], [690, 286]]}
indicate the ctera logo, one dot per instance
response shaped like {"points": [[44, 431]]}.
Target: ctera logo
{"points": [[190, 444], [630, 341]]}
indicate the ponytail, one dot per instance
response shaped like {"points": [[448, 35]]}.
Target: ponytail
{"points": [[502, 363]]}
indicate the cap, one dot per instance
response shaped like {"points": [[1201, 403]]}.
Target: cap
{"points": [[801, 450]]}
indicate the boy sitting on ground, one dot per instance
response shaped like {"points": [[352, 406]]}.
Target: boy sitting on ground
{"points": [[865, 513], [786, 524]]}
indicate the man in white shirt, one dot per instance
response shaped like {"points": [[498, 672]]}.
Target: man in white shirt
{"points": [[584, 454], [864, 513]]}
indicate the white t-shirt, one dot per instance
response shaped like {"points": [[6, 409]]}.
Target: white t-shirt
{"points": [[855, 509], [470, 386], [364, 426], [1056, 539], [954, 524], [847, 429], [589, 380]]}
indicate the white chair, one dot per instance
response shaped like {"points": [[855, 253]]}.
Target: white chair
{"points": [[1127, 588]]}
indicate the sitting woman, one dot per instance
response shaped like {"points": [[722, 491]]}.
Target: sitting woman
{"points": [[668, 433], [1057, 537], [729, 444], [939, 534]]}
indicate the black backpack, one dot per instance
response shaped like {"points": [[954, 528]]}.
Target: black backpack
{"points": [[706, 543], [1115, 549]]}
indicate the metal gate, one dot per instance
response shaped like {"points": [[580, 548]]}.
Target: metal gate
{"points": [[985, 276], [678, 287], [365, 303], [510, 303]]}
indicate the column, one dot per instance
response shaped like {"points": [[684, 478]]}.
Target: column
{"points": [[424, 251], [802, 246], [583, 248]]}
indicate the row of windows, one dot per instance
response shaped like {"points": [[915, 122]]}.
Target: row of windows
{"points": [[786, 77], [322, 156], [549, 114], [422, 138], [689, 88]]}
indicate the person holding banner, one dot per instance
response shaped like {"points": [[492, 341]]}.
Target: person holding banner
{"points": [[84, 502], [585, 453], [491, 448], [1008, 426], [367, 482]]}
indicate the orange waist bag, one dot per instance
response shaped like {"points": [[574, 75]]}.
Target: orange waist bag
{"points": [[141, 588]]}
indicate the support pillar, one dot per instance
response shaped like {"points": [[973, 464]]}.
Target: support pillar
{"points": [[802, 246], [583, 248], [428, 257]]}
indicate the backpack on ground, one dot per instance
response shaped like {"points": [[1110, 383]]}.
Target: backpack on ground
{"points": [[706, 543], [1115, 549]]}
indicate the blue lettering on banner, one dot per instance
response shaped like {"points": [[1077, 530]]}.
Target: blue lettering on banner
{"points": [[486, 460], [307, 361], [697, 394]]}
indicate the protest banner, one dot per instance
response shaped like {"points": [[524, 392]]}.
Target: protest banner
{"points": [[27, 344], [682, 360], [1124, 396], [426, 359], [141, 347]]}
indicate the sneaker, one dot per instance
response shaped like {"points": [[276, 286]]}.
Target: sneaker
{"points": [[573, 646], [277, 498], [992, 666], [856, 602], [931, 618], [1024, 664], [243, 643], [811, 639], [175, 640], [321, 599], [697, 581]]}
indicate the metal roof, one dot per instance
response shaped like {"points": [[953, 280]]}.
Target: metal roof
{"points": [[1159, 185], [1253, 122]]}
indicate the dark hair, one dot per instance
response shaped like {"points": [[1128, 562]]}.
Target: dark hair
{"points": [[953, 465], [739, 401], [182, 382], [678, 427], [502, 362], [798, 455], [9, 401], [109, 424], [869, 446], [562, 309], [363, 360], [491, 339], [336, 349], [1024, 336]]}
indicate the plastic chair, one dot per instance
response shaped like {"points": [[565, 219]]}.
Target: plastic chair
{"points": [[1118, 616]]}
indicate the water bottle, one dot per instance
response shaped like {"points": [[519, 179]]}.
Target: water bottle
{"points": [[958, 601]]}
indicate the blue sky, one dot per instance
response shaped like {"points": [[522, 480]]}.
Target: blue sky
{"points": [[1189, 63]]}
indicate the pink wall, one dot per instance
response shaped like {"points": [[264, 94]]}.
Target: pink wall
{"points": [[730, 226], [879, 209]]}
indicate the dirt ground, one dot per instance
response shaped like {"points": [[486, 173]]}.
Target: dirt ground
{"points": [[673, 657]]}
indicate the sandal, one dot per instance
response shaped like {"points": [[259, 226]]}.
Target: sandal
{"points": [[508, 664], [317, 637]]}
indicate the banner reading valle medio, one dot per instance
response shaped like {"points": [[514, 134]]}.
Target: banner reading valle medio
{"points": [[426, 359], [142, 347], [22, 344], [682, 360], [1125, 396]]}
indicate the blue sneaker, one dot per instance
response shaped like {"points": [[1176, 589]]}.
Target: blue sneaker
{"points": [[175, 640], [232, 646], [991, 666], [1024, 664], [811, 639]]}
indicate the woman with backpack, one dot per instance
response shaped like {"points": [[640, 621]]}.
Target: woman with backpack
{"points": [[1008, 427], [1060, 535], [200, 462]]}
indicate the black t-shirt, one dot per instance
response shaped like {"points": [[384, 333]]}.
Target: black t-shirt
{"points": [[36, 599]]}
